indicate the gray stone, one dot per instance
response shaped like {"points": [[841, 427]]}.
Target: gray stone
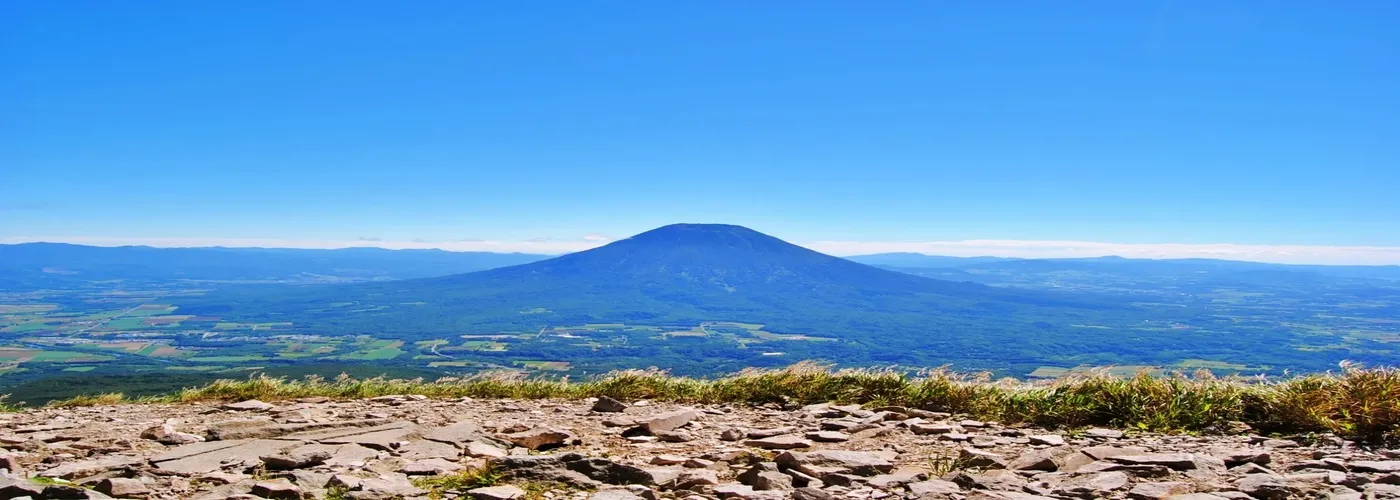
{"points": [[1103, 433], [998, 479], [1174, 461], [1047, 440], [779, 443], [478, 449], [423, 449], [68, 491], [861, 463], [828, 437], [458, 433], [209, 456], [772, 481], [606, 404], [389, 486], [610, 472], [14, 487], [1280, 443], [383, 437], [1041, 460], [166, 434], [1264, 487], [926, 429], [1379, 491], [1158, 491], [249, 405], [767, 433], [430, 466], [1097, 485], [749, 476], [83, 468], [678, 436], [667, 421], [254, 428], [548, 468], [123, 488], [1241, 456], [1004, 495], [667, 460], [933, 487], [974, 458], [506, 492], [695, 478], [896, 479], [732, 435], [10, 463], [1104, 452], [277, 489], [536, 439], [295, 459], [810, 493], [614, 494], [619, 422], [1375, 466]]}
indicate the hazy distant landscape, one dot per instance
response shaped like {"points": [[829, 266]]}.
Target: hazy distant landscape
{"points": [[695, 299]]}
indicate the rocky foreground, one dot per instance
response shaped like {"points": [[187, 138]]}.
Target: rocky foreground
{"points": [[393, 447]]}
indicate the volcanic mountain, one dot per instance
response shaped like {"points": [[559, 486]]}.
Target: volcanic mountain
{"points": [[681, 274]]}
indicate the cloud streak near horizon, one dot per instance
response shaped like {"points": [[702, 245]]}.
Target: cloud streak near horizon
{"points": [[1282, 254]]}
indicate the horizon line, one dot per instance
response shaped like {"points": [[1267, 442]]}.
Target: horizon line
{"points": [[1023, 249]]}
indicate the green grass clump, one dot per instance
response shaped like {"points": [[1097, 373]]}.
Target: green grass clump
{"points": [[1360, 402], [462, 480]]}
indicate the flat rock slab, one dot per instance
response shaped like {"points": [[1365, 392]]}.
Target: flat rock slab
{"points": [[266, 428], [1047, 440], [667, 421], [861, 463], [341, 432], [506, 492], [779, 443], [479, 449], [432, 466], [828, 437], [249, 405], [422, 449], [380, 437], [535, 439], [83, 468], [1157, 491], [1174, 461], [1376, 466], [342, 455], [461, 433], [200, 458]]}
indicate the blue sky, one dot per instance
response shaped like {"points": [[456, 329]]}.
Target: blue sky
{"points": [[1258, 124]]}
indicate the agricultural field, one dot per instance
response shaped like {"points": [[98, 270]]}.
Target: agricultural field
{"points": [[106, 332]]}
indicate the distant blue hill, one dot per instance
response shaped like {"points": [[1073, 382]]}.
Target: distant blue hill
{"points": [[59, 265], [912, 262]]}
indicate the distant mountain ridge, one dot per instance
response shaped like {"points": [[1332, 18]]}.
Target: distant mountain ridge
{"points": [[688, 274], [61, 264], [1120, 265]]}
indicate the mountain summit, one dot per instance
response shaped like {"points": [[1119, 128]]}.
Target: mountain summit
{"points": [[734, 259], [683, 275]]}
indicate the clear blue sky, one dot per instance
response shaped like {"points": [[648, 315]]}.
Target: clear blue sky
{"points": [[1253, 122]]}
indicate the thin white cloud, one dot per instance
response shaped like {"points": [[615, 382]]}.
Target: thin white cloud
{"points": [[538, 245], [1283, 254]]}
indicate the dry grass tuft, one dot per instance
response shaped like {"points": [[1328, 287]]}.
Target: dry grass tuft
{"points": [[1357, 401]]}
